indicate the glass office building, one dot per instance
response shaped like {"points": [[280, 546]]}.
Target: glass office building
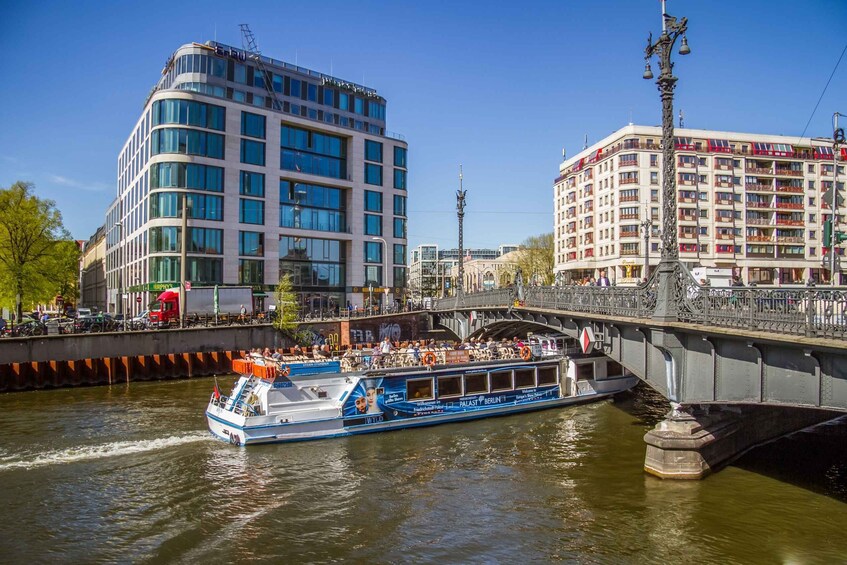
{"points": [[281, 170]]}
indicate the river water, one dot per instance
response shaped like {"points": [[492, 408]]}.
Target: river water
{"points": [[129, 473]]}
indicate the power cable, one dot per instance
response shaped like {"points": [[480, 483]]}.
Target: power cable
{"points": [[824, 92]]}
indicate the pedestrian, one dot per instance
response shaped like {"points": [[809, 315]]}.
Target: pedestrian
{"points": [[243, 313], [603, 280]]}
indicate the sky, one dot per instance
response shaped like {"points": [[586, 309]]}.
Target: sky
{"points": [[498, 87]]}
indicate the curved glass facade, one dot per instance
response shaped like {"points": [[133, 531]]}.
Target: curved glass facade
{"points": [[189, 113], [187, 142], [187, 175]]}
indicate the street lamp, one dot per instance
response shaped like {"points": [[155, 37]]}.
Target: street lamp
{"points": [[460, 208], [672, 29], [647, 226], [119, 297], [384, 269]]}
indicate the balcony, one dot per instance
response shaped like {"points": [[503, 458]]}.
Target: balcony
{"points": [[789, 188], [723, 184], [629, 180], [758, 171], [781, 171], [785, 239], [686, 218], [629, 216], [627, 234], [723, 219], [725, 236], [759, 187], [719, 167], [723, 202], [760, 238], [629, 198], [628, 163], [784, 222], [758, 222], [759, 204], [687, 235], [686, 200], [629, 251], [685, 165], [789, 205]]}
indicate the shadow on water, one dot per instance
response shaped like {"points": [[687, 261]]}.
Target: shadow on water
{"points": [[814, 459]]}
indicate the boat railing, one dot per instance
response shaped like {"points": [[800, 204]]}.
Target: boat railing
{"points": [[238, 407]]}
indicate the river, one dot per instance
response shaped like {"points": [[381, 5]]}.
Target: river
{"points": [[129, 473]]}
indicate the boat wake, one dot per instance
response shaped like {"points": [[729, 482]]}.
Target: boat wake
{"points": [[93, 452]]}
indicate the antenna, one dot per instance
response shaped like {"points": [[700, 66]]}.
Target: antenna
{"points": [[564, 155], [585, 144], [630, 116], [681, 119]]}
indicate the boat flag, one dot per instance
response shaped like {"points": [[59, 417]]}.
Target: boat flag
{"points": [[217, 391]]}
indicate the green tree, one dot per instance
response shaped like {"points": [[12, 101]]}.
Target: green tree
{"points": [[32, 242], [286, 306], [535, 259]]}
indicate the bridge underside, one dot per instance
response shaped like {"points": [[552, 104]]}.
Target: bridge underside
{"points": [[730, 389]]}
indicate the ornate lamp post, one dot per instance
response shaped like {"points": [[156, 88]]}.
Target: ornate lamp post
{"points": [[672, 29], [460, 207], [647, 226]]}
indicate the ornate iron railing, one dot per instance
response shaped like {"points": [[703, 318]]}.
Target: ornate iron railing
{"points": [[807, 311]]}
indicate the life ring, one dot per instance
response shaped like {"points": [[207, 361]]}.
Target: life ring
{"points": [[285, 370], [429, 358], [526, 353]]}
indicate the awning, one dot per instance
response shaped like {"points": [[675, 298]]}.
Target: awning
{"points": [[579, 164], [824, 153], [719, 146], [596, 156], [259, 294], [683, 143]]}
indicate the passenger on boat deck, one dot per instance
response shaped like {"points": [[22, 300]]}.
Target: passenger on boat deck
{"points": [[277, 355], [266, 352], [298, 350], [386, 347]]}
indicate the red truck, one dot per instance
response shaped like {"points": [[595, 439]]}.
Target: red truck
{"points": [[201, 301]]}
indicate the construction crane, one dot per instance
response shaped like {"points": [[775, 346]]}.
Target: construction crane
{"points": [[248, 43]]}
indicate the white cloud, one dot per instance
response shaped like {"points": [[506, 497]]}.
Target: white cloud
{"points": [[65, 181]]}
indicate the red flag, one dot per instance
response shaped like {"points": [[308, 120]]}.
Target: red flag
{"points": [[217, 392]]}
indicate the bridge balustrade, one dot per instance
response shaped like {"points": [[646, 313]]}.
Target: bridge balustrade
{"points": [[808, 311]]}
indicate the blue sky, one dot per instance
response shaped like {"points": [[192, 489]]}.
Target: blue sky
{"points": [[500, 87]]}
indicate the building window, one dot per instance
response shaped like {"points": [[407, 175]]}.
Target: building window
{"points": [[399, 205], [187, 142], [251, 271], [253, 152], [187, 175], [373, 275], [189, 113], [306, 151], [400, 157], [208, 241], [373, 224], [400, 228], [400, 179], [399, 254], [252, 184], [252, 125], [251, 243], [373, 201], [251, 211], [373, 174], [400, 276], [373, 252], [373, 151]]}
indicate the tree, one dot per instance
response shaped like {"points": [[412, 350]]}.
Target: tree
{"points": [[535, 259], [286, 306], [32, 243]]}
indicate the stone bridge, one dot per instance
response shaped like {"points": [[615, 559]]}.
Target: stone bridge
{"points": [[739, 365]]}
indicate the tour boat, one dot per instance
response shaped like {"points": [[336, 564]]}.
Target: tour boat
{"points": [[273, 401]]}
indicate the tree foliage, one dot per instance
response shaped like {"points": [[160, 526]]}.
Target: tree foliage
{"points": [[286, 306], [535, 259], [38, 259]]}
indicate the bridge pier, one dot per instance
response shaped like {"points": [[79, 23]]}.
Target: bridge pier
{"points": [[691, 443]]}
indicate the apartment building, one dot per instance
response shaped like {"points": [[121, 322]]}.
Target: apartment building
{"points": [[753, 203]]}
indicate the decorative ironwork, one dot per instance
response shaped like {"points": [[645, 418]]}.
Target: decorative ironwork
{"points": [[806, 311], [671, 30]]}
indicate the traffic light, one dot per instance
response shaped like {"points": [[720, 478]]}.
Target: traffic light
{"points": [[827, 236]]}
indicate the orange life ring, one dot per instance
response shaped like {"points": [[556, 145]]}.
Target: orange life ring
{"points": [[429, 358], [526, 353], [285, 371]]}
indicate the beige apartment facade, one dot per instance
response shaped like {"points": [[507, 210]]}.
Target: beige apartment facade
{"points": [[747, 202]]}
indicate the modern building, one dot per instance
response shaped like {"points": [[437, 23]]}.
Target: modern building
{"points": [[753, 203], [282, 170]]}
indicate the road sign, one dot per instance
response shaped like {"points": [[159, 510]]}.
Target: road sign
{"points": [[138, 299], [187, 285], [826, 199], [586, 339]]}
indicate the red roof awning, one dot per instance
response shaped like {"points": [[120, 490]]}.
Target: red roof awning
{"points": [[595, 156], [823, 153], [579, 164]]}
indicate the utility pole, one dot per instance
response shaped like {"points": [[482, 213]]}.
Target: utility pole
{"points": [[460, 207], [183, 259], [837, 140], [646, 225]]}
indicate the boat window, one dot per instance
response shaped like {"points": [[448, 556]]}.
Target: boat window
{"points": [[501, 380], [449, 386], [476, 383], [547, 376], [585, 371], [614, 369], [419, 389], [524, 378]]}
